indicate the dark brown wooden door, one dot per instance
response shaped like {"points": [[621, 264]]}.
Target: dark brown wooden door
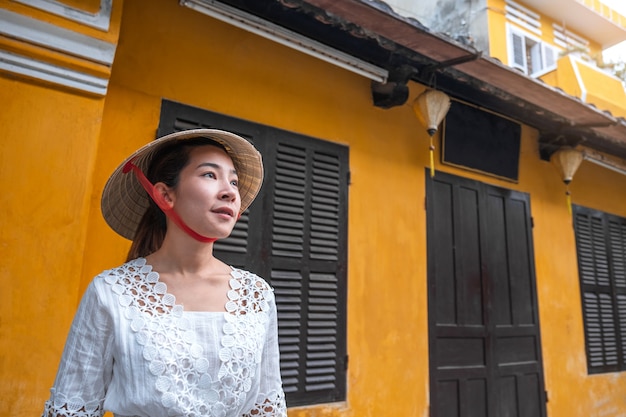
{"points": [[485, 349]]}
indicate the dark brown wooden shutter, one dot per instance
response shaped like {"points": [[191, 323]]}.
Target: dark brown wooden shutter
{"points": [[601, 250], [308, 267], [295, 236]]}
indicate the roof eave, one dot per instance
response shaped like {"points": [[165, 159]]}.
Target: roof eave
{"points": [[583, 123]]}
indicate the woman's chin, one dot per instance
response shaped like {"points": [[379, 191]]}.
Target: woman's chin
{"points": [[220, 234]]}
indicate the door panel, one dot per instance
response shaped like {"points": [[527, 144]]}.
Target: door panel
{"points": [[485, 351]]}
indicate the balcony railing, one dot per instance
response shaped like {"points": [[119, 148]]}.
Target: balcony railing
{"points": [[583, 79]]}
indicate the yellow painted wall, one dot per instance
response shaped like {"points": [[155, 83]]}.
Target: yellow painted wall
{"points": [[48, 144], [605, 92], [47, 150], [565, 76], [55, 240], [581, 80], [496, 24]]}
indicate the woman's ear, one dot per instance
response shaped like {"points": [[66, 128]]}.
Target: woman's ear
{"points": [[163, 193]]}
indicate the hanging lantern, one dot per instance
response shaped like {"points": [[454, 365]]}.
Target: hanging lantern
{"points": [[431, 107], [567, 160]]}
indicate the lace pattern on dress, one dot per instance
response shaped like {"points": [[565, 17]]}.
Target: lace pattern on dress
{"points": [[61, 406], [169, 343], [273, 405]]}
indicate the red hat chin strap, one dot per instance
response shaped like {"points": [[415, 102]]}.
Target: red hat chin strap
{"points": [[165, 208]]}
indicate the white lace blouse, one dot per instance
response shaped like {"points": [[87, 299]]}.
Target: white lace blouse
{"points": [[133, 351]]}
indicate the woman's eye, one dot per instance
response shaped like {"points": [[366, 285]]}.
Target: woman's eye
{"points": [[209, 174], [235, 183]]}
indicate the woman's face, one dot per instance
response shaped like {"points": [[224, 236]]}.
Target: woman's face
{"points": [[207, 197]]}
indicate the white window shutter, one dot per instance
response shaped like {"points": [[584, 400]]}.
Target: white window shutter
{"points": [[536, 64], [550, 56], [519, 56]]}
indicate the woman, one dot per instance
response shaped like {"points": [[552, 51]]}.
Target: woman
{"points": [[174, 331]]}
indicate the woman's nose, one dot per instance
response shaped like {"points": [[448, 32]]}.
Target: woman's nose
{"points": [[228, 192]]}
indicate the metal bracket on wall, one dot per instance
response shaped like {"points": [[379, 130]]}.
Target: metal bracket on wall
{"points": [[395, 91], [429, 71]]}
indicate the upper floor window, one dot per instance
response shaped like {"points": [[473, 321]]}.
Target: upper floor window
{"points": [[526, 50], [529, 54]]}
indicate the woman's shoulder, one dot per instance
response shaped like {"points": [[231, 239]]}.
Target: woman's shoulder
{"points": [[104, 289], [125, 274], [138, 265]]}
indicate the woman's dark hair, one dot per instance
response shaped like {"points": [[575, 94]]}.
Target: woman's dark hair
{"points": [[165, 167]]}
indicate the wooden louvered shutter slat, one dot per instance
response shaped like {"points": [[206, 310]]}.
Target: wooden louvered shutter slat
{"points": [[617, 237], [585, 250], [600, 241], [592, 251], [287, 242], [621, 309], [306, 249], [289, 192], [600, 253], [322, 333], [325, 207], [592, 261], [600, 330], [288, 289], [323, 319]]}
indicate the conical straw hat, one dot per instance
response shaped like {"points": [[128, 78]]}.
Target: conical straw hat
{"points": [[124, 201]]}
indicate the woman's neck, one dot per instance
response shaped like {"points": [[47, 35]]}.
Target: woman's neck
{"points": [[185, 256]]}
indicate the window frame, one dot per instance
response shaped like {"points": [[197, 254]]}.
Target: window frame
{"points": [[548, 53]]}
